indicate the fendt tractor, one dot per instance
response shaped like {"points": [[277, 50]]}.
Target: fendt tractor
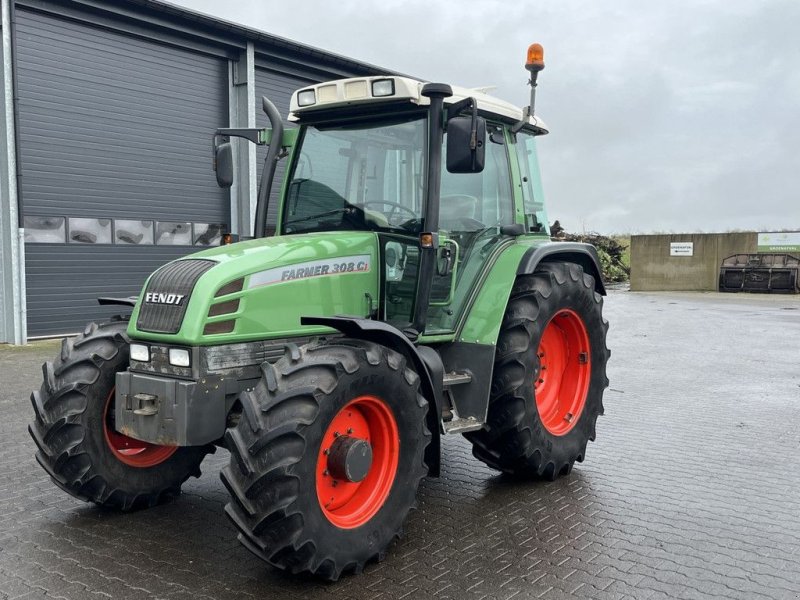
{"points": [[406, 289]]}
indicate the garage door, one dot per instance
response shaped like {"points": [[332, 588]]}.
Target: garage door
{"points": [[278, 87], [115, 150]]}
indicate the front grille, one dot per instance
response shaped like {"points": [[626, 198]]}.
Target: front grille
{"points": [[177, 277]]}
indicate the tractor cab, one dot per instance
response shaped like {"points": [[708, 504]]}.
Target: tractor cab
{"points": [[429, 168]]}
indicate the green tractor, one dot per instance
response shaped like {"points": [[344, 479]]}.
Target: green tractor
{"points": [[410, 290]]}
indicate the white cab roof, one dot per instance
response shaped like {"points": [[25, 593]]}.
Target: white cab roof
{"points": [[358, 90]]}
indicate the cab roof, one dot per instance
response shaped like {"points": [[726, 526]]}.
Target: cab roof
{"points": [[361, 90]]}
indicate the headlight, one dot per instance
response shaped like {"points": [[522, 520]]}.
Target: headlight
{"points": [[179, 357], [306, 98], [383, 87], [140, 352]]}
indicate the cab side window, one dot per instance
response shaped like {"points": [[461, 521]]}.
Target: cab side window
{"points": [[475, 201], [533, 198]]}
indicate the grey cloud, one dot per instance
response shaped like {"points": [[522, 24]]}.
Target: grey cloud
{"points": [[670, 116]]}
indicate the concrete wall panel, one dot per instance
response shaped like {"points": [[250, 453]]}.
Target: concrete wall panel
{"points": [[653, 269]]}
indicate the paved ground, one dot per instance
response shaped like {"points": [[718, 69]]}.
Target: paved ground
{"points": [[691, 490]]}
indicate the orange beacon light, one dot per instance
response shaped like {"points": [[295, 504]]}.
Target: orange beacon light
{"points": [[535, 59]]}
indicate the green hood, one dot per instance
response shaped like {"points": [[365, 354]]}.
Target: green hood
{"points": [[259, 289]]}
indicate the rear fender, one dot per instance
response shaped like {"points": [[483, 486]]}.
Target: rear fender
{"points": [[485, 314], [426, 363], [581, 254]]}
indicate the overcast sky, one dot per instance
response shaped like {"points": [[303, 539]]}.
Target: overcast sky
{"points": [[669, 116]]}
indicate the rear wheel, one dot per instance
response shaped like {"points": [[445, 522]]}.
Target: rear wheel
{"points": [[327, 457], [74, 430], [549, 375]]}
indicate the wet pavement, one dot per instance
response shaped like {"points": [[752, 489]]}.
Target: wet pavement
{"points": [[690, 491]]}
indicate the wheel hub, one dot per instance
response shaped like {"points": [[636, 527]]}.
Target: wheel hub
{"points": [[350, 458], [357, 462]]}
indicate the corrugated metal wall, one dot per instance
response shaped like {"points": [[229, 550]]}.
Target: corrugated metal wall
{"points": [[117, 103], [112, 127]]}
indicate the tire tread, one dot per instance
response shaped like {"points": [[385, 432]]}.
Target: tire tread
{"points": [[507, 444], [59, 407], [264, 451]]}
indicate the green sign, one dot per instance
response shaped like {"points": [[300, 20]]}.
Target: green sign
{"points": [[779, 241]]}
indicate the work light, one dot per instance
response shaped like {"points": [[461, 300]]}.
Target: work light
{"points": [[140, 352], [306, 98], [383, 87], [179, 357]]}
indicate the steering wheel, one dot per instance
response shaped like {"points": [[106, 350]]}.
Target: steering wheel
{"points": [[396, 207]]}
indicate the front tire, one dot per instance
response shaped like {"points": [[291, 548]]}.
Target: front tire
{"points": [[549, 375], [294, 505], [74, 428]]}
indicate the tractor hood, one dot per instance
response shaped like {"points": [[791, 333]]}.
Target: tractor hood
{"points": [[258, 289]]}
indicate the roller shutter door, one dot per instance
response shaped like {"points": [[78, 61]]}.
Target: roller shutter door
{"points": [[114, 137]]}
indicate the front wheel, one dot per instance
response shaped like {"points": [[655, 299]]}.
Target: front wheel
{"points": [[327, 457], [74, 429], [549, 375]]}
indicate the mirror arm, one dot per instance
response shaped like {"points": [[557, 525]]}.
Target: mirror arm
{"points": [[473, 138], [250, 134], [457, 108]]}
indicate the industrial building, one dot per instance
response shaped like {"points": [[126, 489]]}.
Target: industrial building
{"points": [[105, 161]]}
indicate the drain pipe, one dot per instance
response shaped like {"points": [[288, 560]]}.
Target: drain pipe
{"points": [[16, 243]]}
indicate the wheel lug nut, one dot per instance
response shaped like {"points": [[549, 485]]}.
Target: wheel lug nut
{"points": [[326, 473]]}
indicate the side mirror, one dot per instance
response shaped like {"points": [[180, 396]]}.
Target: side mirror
{"points": [[466, 144], [223, 164]]}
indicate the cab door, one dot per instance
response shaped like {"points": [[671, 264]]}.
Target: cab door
{"points": [[472, 209]]}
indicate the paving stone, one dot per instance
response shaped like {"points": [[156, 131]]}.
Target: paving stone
{"points": [[685, 494]]}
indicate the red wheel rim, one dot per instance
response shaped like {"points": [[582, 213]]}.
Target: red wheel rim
{"points": [[564, 371], [349, 504], [128, 450]]}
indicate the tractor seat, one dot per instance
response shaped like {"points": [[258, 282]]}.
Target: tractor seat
{"points": [[454, 208]]}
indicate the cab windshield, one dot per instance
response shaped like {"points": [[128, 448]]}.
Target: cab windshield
{"points": [[365, 176]]}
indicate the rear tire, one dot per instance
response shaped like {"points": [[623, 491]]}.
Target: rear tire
{"points": [[286, 503], [73, 429], [540, 421]]}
